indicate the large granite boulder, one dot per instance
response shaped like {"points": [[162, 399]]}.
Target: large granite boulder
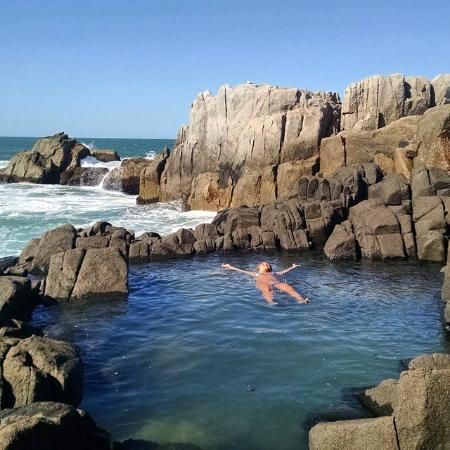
{"points": [[380, 146], [367, 434], [382, 399], [93, 274], [46, 161], [377, 101], [342, 243], [422, 411], [40, 369], [433, 138], [83, 176], [13, 328], [250, 125], [17, 298], [105, 155], [131, 170], [52, 242], [50, 426], [441, 87], [150, 179]]}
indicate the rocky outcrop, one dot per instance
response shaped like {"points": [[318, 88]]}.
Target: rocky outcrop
{"points": [[50, 426], [247, 127], [17, 298], [441, 87], [378, 101], [39, 369], [378, 146], [150, 179], [49, 158], [105, 155], [416, 410], [83, 176], [433, 138]]}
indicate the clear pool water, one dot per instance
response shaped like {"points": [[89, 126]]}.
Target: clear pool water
{"points": [[196, 356]]}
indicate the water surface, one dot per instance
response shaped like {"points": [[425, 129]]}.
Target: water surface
{"points": [[196, 356]]}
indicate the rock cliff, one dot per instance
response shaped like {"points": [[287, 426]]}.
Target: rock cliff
{"points": [[242, 133]]}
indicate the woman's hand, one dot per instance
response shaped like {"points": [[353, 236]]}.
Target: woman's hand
{"points": [[226, 266], [294, 265]]}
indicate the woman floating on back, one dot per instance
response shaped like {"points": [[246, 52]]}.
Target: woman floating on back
{"points": [[267, 281]]}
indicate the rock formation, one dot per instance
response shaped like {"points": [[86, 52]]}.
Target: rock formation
{"points": [[378, 101], [46, 161], [414, 412], [249, 127]]}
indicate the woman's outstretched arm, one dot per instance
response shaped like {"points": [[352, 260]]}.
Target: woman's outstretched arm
{"points": [[294, 266], [230, 267]]}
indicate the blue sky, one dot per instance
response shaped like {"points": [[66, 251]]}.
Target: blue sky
{"points": [[132, 68]]}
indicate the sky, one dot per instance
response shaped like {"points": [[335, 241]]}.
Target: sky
{"points": [[109, 68]]}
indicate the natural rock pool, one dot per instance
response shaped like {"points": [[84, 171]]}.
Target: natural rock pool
{"points": [[196, 356]]}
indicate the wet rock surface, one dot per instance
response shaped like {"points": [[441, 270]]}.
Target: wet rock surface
{"points": [[416, 410]]}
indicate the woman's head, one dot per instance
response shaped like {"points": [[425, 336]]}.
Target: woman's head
{"points": [[264, 267]]}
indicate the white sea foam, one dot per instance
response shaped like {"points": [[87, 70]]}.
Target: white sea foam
{"points": [[90, 161], [27, 210], [3, 163]]}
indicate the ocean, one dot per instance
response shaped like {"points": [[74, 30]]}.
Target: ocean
{"points": [[28, 210]]}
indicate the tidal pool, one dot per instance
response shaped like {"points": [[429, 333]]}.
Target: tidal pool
{"points": [[196, 355]]}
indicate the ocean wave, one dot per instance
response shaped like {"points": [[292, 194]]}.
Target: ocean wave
{"points": [[38, 208], [90, 161], [3, 163]]}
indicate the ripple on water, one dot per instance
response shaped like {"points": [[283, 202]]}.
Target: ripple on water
{"points": [[196, 355]]}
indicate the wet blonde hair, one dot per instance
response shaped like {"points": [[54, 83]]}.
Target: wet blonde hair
{"points": [[269, 267]]}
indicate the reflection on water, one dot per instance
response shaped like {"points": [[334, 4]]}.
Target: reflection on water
{"points": [[196, 355]]}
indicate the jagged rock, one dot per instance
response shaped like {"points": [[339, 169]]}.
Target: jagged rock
{"points": [[259, 124], [50, 426], [106, 155], [113, 180], [97, 241], [367, 434], [42, 369], [423, 409], [436, 361], [17, 300], [131, 170], [83, 176], [433, 138], [150, 179], [342, 243], [13, 328], [402, 164], [46, 161], [441, 87], [243, 217], [430, 246], [93, 274], [255, 187], [393, 190], [52, 242], [7, 262], [378, 101], [382, 399], [210, 192], [287, 177], [377, 230], [355, 147], [29, 252]]}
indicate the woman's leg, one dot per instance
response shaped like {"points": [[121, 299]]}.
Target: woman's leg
{"points": [[267, 293], [291, 291]]}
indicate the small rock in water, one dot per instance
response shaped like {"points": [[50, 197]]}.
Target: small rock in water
{"points": [[251, 388]]}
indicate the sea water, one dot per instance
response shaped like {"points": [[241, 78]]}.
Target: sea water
{"points": [[28, 210], [196, 355]]}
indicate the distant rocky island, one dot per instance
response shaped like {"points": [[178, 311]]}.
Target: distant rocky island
{"points": [[287, 169]]}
